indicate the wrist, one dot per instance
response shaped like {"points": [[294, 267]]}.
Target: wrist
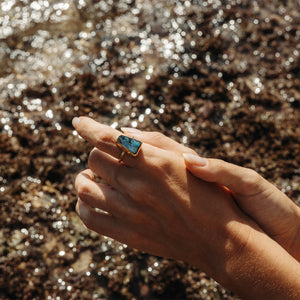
{"points": [[262, 270], [289, 238], [240, 238]]}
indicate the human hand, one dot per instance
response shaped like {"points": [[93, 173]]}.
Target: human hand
{"points": [[152, 203], [271, 209]]}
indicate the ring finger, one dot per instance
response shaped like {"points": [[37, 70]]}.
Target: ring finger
{"points": [[101, 196]]}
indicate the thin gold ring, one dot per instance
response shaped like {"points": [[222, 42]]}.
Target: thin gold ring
{"points": [[121, 156]]}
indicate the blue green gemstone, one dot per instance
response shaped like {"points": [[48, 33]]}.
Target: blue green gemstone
{"points": [[129, 144]]}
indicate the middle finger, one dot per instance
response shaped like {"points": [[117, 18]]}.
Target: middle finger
{"points": [[102, 196]]}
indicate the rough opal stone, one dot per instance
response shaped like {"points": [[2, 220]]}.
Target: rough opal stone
{"points": [[129, 144]]}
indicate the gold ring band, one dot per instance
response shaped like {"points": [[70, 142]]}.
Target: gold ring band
{"points": [[121, 156]]}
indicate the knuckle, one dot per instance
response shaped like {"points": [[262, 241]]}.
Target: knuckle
{"points": [[218, 164], [160, 163], [102, 139], [251, 178], [77, 181], [94, 160], [77, 207]]}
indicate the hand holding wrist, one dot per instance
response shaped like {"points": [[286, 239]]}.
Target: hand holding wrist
{"points": [[263, 270], [271, 209], [166, 211]]}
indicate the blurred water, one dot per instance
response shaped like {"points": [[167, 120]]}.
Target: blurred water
{"points": [[43, 40], [49, 41]]}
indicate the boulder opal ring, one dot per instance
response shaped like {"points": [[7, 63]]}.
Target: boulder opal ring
{"points": [[128, 145]]}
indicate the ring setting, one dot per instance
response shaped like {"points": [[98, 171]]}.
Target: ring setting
{"points": [[128, 145]]}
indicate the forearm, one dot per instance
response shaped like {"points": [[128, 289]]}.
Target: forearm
{"points": [[263, 270]]}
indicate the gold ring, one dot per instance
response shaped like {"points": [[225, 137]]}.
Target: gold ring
{"points": [[128, 145], [121, 156]]}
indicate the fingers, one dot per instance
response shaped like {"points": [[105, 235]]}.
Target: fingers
{"points": [[104, 197], [238, 179], [157, 139], [94, 194], [109, 225], [108, 168], [102, 137], [119, 219], [101, 222], [121, 176]]}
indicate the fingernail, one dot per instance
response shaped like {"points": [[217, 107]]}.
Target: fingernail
{"points": [[82, 209], [75, 122], [195, 159], [130, 130]]}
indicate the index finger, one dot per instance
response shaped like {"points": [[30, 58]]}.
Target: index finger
{"points": [[99, 135], [104, 138]]}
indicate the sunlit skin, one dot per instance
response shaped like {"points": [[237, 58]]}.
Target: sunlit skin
{"points": [[154, 203], [271, 209]]}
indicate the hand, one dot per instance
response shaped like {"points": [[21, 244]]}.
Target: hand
{"points": [[271, 209], [151, 202]]}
